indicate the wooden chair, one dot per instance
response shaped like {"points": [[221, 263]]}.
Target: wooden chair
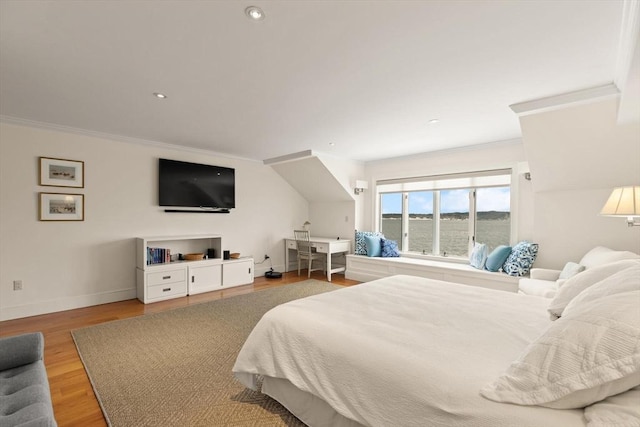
{"points": [[306, 252]]}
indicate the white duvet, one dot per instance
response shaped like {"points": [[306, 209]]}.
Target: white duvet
{"points": [[403, 351]]}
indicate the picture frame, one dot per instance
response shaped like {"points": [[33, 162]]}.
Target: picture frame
{"points": [[61, 172], [61, 207]]}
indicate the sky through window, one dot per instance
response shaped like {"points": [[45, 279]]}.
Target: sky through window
{"points": [[489, 199]]}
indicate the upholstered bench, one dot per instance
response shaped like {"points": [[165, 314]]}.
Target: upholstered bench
{"points": [[25, 398]]}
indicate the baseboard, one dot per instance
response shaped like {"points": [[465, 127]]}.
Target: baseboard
{"points": [[63, 304], [70, 303]]}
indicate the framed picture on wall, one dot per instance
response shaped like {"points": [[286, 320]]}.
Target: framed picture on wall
{"points": [[61, 172], [61, 207]]}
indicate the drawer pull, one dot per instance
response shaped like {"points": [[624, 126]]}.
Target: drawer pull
{"points": [[166, 289], [166, 277]]}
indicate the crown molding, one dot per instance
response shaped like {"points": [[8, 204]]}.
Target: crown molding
{"points": [[564, 100], [121, 138]]}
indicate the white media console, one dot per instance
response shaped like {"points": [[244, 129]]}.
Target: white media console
{"points": [[166, 280]]}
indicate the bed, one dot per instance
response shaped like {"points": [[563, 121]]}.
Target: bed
{"points": [[398, 351]]}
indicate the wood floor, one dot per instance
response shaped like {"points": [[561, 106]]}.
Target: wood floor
{"points": [[74, 402]]}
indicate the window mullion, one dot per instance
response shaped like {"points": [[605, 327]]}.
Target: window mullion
{"points": [[472, 219], [436, 223], [405, 221]]}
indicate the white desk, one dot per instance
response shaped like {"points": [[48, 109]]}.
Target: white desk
{"points": [[322, 245]]}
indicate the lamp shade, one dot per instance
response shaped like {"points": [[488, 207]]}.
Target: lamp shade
{"points": [[624, 201]]}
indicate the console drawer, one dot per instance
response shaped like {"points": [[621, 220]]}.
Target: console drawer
{"points": [[167, 289], [167, 276], [322, 248]]}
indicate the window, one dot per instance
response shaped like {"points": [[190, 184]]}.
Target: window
{"points": [[420, 221], [454, 222], [445, 215], [493, 216], [391, 226]]}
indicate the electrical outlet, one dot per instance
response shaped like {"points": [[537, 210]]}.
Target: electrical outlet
{"points": [[17, 285]]}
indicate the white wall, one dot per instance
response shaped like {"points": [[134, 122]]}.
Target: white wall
{"points": [[486, 157], [580, 147], [577, 155], [332, 219], [66, 265], [568, 225]]}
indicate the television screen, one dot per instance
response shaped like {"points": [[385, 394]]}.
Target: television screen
{"points": [[194, 185]]}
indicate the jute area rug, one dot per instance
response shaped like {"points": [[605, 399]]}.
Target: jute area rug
{"points": [[174, 368]]}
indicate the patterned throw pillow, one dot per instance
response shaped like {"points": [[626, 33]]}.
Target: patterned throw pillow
{"points": [[479, 256], [390, 249], [361, 246], [521, 259]]}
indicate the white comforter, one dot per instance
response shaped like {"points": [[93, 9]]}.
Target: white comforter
{"points": [[403, 351]]}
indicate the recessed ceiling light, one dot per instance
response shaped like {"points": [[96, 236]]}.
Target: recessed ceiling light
{"points": [[332, 144], [254, 13], [159, 95], [433, 121]]}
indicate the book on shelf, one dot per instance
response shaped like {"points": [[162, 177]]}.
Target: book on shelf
{"points": [[158, 255]]}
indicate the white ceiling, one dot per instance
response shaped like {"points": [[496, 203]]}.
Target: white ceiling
{"points": [[366, 76]]}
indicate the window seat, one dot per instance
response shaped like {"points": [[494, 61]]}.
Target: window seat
{"points": [[364, 269]]}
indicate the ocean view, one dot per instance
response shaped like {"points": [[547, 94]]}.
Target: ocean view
{"points": [[454, 234]]}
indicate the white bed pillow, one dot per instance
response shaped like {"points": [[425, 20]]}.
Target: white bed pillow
{"points": [[588, 355], [572, 287], [621, 410], [622, 281], [601, 255]]}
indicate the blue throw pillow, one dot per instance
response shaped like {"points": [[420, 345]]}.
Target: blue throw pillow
{"points": [[479, 255], [497, 257], [374, 245], [521, 259], [390, 248], [361, 246]]}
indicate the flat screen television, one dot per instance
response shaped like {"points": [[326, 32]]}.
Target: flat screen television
{"points": [[193, 185]]}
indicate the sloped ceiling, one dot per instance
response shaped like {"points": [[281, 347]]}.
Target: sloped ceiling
{"points": [[312, 179]]}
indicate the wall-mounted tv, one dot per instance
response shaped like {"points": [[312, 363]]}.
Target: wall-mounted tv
{"points": [[193, 185]]}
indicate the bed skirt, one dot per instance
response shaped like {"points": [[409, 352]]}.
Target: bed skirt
{"points": [[308, 408]]}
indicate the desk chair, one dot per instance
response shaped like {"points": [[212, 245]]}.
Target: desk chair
{"points": [[306, 252]]}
